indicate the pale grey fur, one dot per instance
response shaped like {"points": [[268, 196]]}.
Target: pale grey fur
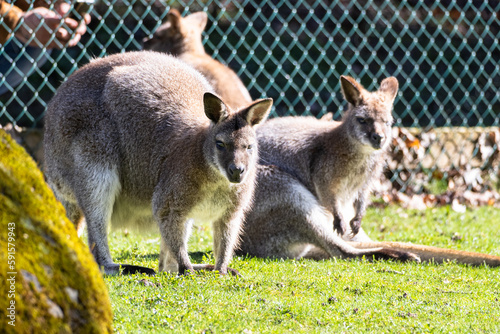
{"points": [[312, 170], [141, 134]]}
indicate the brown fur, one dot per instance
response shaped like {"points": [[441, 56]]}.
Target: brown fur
{"points": [[435, 254], [140, 136], [181, 37]]}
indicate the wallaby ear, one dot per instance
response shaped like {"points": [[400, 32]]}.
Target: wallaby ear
{"points": [[390, 87], [174, 17], [351, 90], [198, 18], [215, 109], [258, 111]]}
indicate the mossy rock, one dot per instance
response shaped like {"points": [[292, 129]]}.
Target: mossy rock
{"points": [[56, 286]]}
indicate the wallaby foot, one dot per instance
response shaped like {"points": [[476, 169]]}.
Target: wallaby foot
{"points": [[208, 267], [392, 254], [126, 269], [211, 267]]}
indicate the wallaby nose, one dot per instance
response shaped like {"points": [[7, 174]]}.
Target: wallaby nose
{"points": [[376, 139], [235, 172]]}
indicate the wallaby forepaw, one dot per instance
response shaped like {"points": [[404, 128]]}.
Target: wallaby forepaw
{"points": [[338, 227], [355, 226], [211, 267]]}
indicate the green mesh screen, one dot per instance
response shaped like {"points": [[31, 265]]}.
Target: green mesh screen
{"points": [[445, 54]]}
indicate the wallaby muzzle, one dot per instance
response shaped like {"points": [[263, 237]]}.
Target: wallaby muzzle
{"points": [[236, 173], [377, 140]]}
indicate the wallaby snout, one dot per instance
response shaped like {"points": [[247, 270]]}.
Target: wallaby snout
{"points": [[379, 134], [236, 173], [377, 139]]}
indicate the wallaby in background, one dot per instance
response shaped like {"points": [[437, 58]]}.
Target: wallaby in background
{"points": [[336, 163], [182, 37], [313, 170], [140, 135]]}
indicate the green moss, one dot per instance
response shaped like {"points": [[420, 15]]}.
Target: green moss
{"points": [[58, 286]]}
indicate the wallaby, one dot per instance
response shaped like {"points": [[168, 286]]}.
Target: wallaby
{"points": [[312, 169], [182, 38], [309, 166], [141, 135], [337, 163]]}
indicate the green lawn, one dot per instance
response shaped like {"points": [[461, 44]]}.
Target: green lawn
{"points": [[331, 296]]}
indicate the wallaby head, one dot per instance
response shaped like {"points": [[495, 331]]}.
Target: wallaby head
{"points": [[369, 117], [178, 34], [231, 144]]}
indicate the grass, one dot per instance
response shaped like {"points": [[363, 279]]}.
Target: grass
{"points": [[331, 296]]}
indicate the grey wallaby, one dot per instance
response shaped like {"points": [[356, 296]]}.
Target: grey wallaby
{"points": [[141, 135], [181, 37], [313, 171]]}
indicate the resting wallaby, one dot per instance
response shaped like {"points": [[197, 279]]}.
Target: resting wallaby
{"points": [[181, 37], [140, 135], [305, 163], [337, 163], [312, 169]]}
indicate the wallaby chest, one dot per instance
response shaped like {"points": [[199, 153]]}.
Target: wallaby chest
{"points": [[214, 201]]}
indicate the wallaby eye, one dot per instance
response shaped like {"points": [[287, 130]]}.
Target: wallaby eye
{"points": [[220, 145], [249, 147], [361, 120]]}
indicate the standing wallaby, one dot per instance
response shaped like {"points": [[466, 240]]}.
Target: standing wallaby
{"points": [[140, 135], [311, 168], [182, 38]]}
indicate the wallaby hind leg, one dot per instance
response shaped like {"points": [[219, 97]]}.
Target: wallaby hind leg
{"points": [[320, 233], [174, 230], [293, 224], [167, 261], [96, 197], [73, 211], [75, 215]]}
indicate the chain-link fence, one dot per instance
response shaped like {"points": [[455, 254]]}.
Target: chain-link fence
{"points": [[445, 54]]}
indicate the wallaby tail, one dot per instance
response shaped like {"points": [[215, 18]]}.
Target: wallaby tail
{"points": [[436, 254]]}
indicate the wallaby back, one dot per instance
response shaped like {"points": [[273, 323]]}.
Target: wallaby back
{"points": [[141, 130], [182, 37]]}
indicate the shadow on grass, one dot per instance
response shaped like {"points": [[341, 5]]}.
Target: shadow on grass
{"points": [[123, 256]]}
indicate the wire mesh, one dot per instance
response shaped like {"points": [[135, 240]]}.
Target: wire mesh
{"points": [[445, 55]]}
